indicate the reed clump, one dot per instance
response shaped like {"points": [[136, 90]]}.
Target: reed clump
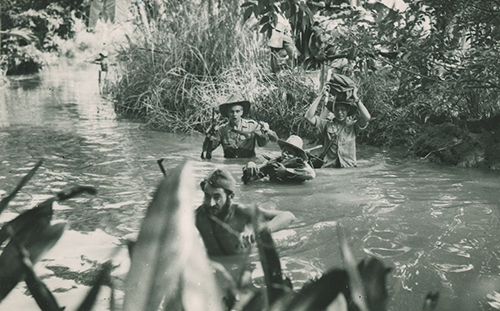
{"points": [[198, 58]]}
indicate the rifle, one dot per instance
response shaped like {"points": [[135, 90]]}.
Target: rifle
{"points": [[314, 160], [207, 143], [270, 167]]}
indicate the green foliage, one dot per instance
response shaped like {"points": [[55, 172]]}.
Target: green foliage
{"points": [[22, 59], [436, 62], [46, 21], [199, 58], [283, 103]]}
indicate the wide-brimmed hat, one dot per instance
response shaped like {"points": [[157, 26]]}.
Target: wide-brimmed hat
{"points": [[224, 108], [349, 102], [220, 179], [294, 142]]}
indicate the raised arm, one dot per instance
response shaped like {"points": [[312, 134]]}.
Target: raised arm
{"points": [[264, 134], [363, 112], [310, 113], [216, 138]]}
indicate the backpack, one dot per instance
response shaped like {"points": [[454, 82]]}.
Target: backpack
{"points": [[340, 83]]}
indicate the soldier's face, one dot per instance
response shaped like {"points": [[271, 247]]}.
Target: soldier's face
{"points": [[216, 200], [341, 111], [289, 153], [235, 113]]}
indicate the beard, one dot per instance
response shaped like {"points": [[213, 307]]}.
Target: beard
{"points": [[220, 212]]}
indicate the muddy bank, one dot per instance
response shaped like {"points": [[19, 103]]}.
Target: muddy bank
{"points": [[465, 144]]}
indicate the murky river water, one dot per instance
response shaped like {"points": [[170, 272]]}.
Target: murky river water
{"points": [[437, 227]]}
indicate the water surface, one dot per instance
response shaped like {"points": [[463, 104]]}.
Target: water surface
{"points": [[437, 227]]}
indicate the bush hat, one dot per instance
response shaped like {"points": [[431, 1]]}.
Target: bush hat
{"points": [[220, 179], [294, 142], [224, 108]]}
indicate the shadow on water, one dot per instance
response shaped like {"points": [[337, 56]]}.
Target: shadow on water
{"points": [[437, 227]]}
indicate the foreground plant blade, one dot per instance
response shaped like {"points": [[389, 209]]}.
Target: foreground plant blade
{"points": [[5, 201], [431, 301], [355, 282], [276, 286], [39, 214], [317, 295], [336, 290], [102, 278], [42, 212], [169, 262], [43, 296], [37, 242]]}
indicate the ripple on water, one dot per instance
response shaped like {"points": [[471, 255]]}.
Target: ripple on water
{"points": [[383, 247], [299, 271], [494, 299], [457, 268]]}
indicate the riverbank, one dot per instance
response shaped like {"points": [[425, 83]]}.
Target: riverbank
{"points": [[467, 144]]}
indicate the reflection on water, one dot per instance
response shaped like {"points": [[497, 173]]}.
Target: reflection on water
{"points": [[437, 227]]}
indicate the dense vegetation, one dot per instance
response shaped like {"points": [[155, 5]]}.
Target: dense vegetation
{"points": [[427, 66], [430, 66], [30, 28]]}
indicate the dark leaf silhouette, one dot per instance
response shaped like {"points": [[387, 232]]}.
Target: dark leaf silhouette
{"points": [[5, 201]]}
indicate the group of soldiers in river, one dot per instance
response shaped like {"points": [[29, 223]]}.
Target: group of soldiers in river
{"points": [[225, 226]]}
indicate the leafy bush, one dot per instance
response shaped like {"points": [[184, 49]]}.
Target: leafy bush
{"points": [[23, 59], [419, 68], [45, 23]]}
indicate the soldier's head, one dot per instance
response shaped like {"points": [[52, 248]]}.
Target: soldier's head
{"points": [[234, 111], [218, 189]]}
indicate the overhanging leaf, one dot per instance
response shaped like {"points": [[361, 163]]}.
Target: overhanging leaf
{"points": [[169, 261], [38, 241], [5, 201]]}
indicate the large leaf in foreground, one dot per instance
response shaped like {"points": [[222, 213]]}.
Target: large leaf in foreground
{"points": [[276, 285], [39, 240], [102, 278], [43, 296], [169, 261], [5, 201], [40, 213]]}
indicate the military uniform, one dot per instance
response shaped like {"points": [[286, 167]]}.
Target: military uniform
{"points": [[342, 152], [240, 141]]}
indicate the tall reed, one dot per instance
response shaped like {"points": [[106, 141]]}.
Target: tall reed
{"points": [[199, 57]]}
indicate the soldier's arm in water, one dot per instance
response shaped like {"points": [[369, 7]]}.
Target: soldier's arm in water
{"points": [[298, 172], [216, 138], [277, 220]]}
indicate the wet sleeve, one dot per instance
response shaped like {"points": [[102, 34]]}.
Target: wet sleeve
{"points": [[305, 172]]}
